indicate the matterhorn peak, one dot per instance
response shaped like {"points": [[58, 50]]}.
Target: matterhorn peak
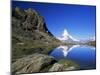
{"points": [[65, 33], [66, 37]]}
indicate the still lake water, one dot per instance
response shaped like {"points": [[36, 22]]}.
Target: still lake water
{"points": [[83, 55]]}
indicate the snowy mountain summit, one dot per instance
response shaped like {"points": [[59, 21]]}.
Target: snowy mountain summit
{"points": [[66, 37]]}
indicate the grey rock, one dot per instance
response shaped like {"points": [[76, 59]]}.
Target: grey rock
{"points": [[70, 68], [56, 67], [30, 24], [32, 63], [66, 65]]}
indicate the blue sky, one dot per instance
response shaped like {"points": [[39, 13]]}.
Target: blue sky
{"points": [[79, 20]]}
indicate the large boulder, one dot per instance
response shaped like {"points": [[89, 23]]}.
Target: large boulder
{"points": [[32, 63]]}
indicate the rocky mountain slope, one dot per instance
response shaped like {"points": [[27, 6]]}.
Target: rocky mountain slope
{"points": [[29, 25], [29, 31]]}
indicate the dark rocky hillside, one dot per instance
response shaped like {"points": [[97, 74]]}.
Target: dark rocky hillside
{"points": [[29, 25], [30, 33], [92, 43]]}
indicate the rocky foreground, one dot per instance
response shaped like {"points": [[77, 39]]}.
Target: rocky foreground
{"points": [[41, 63], [31, 44]]}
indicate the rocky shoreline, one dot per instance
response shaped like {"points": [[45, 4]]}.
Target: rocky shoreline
{"points": [[41, 63]]}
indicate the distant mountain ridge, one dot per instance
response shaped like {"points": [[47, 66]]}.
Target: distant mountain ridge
{"points": [[67, 38]]}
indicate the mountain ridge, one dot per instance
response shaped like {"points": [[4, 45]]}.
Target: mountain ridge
{"points": [[29, 21]]}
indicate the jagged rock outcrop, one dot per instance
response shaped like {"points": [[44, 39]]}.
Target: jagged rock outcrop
{"points": [[29, 24], [29, 33]]}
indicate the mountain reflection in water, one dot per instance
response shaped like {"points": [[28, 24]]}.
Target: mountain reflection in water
{"points": [[66, 49], [84, 55]]}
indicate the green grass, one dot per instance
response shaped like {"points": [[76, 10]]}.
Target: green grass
{"points": [[28, 48], [68, 63]]}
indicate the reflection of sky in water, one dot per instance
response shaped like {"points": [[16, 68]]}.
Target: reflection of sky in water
{"points": [[83, 55]]}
